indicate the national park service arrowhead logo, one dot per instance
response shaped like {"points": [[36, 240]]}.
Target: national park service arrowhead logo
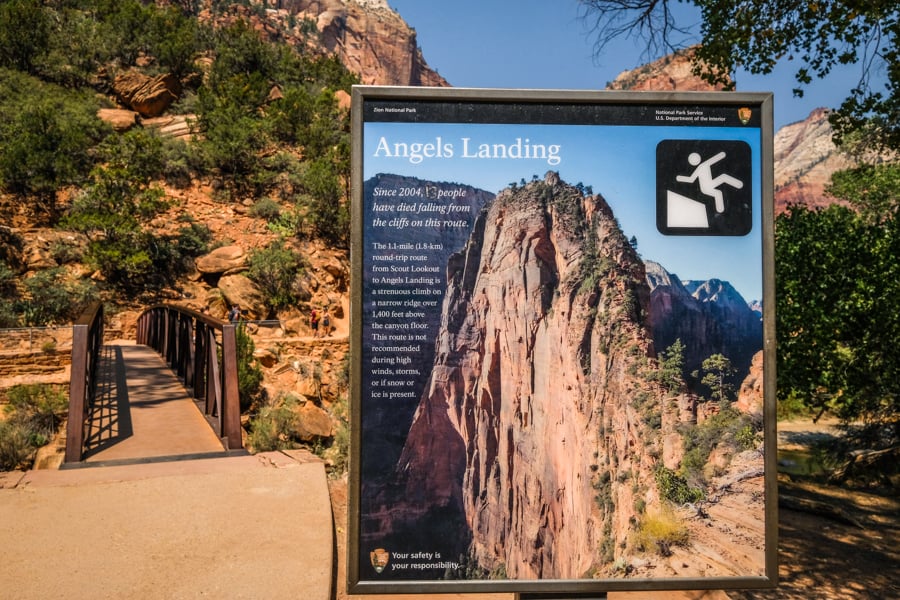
{"points": [[379, 558]]}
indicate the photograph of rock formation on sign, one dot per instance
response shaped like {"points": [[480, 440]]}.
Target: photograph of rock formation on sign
{"points": [[542, 396]]}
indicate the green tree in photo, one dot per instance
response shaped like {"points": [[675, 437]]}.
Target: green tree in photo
{"points": [[717, 372], [274, 269], [872, 189], [25, 30], [670, 372], [114, 209], [175, 40], [836, 318], [328, 214], [242, 54], [46, 138]]}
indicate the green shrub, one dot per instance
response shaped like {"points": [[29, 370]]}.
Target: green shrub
{"points": [[180, 163], [232, 137], [272, 427], [51, 298], [729, 428], [175, 40], [328, 215], [274, 269], [337, 455], [640, 506], [291, 114], [792, 406], [34, 415], [265, 208], [249, 372], [134, 262], [289, 223], [8, 316], [46, 137], [64, 253], [15, 445], [675, 488], [39, 407], [7, 280], [25, 30]]}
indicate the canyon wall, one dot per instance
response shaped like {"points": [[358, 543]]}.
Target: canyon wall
{"points": [[528, 430], [709, 317]]}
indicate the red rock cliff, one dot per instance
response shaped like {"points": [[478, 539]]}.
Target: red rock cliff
{"points": [[370, 39], [529, 426]]}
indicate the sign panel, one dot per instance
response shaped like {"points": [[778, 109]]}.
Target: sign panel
{"points": [[562, 342]]}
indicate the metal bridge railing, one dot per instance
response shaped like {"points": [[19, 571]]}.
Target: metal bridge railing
{"points": [[202, 351], [87, 341]]}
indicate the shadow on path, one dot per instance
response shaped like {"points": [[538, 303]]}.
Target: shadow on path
{"points": [[143, 411], [109, 419]]}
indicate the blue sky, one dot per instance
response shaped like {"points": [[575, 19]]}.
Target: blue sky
{"points": [[543, 44]]}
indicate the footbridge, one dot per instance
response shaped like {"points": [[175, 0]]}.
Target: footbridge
{"points": [[156, 497], [173, 393]]}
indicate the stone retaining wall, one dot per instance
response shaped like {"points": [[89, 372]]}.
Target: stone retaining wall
{"points": [[33, 363]]}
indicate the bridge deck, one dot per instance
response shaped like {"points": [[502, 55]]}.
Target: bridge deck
{"points": [[143, 411]]}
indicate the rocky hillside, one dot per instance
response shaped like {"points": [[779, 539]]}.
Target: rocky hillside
{"points": [[669, 73], [366, 36], [805, 158]]}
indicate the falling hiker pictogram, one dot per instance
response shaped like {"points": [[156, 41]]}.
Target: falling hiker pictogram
{"points": [[709, 185]]}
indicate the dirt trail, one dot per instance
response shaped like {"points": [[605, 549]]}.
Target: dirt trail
{"points": [[825, 558]]}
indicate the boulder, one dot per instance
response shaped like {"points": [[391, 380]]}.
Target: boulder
{"points": [[222, 260], [172, 126], [149, 96], [120, 119], [309, 387], [303, 286], [312, 422], [266, 358], [343, 100], [337, 274], [39, 258], [238, 289], [216, 304], [49, 248]]}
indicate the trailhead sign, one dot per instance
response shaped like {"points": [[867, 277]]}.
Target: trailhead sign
{"points": [[562, 341]]}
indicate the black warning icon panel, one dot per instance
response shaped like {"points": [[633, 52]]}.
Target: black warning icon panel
{"points": [[704, 187]]}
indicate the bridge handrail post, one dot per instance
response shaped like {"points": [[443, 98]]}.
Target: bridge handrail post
{"points": [[231, 406], [87, 342]]}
